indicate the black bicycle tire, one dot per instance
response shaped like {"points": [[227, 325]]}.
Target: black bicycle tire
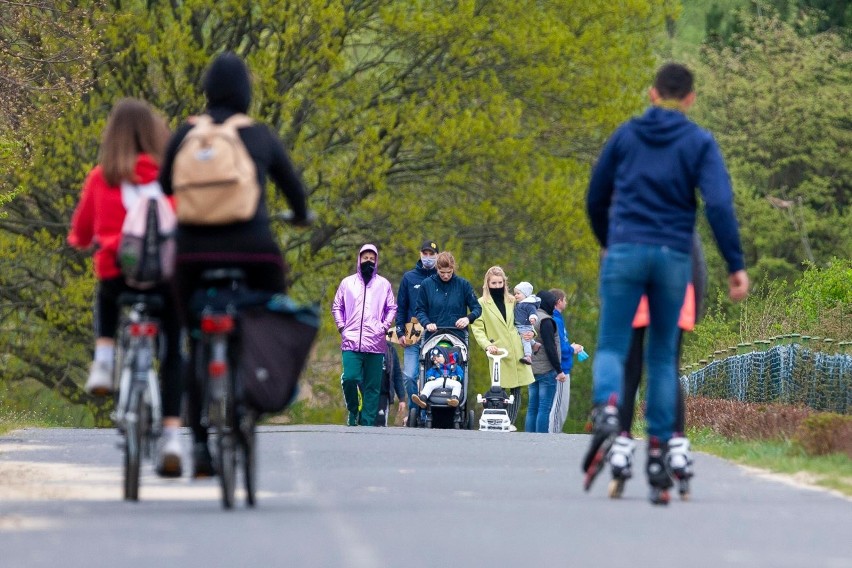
{"points": [[227, 450], [133, 443], [226, 466], [249, 462]]}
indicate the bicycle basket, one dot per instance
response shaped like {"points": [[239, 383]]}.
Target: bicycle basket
{"points": [[273, 351]]}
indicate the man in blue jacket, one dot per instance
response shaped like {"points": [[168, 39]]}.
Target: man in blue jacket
{"points": [[642, 206], [406, 302]]}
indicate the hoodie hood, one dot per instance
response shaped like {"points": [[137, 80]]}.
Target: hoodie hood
{"points": [[661, 126], [371, 247], [548, 301], [227, 84]]}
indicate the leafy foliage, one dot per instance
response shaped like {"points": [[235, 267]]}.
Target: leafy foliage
{"points": [[470, 122], [775, 100]]}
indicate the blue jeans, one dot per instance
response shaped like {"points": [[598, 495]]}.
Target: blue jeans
{"points": [[541, 399], [627, 272], [410, 369]]}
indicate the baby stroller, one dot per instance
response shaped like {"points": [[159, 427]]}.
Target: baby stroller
{"points": [[438, 412], [495, 402]]}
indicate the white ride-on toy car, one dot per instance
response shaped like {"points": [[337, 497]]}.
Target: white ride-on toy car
{"points": [[495, 417]]}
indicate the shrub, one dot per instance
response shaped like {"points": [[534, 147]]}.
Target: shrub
{"points": [[745, 420], [825, 433]]}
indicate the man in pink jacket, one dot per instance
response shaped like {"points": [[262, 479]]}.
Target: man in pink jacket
{"points": [[364, 309]]}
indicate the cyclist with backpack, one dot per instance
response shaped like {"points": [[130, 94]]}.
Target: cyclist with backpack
{"points": [[224, 223], [128, 164]]}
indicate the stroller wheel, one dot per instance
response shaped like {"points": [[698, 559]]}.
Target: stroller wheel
{"points": [[471, 419], [412, 417]]}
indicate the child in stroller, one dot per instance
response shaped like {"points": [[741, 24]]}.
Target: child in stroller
{"points": [[442, 398], [443, 373]]}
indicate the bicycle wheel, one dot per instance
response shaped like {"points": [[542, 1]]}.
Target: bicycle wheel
{"points": [[137, 417], [226, 444], [227, 465], [249, 458]]}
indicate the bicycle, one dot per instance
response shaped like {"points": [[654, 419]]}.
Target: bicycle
{"points": [[138, 408], [232, 423], [224, 410]]}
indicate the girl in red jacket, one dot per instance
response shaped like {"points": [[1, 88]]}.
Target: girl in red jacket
{"points": [[128, 165]]}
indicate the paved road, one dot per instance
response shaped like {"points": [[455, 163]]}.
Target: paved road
{"points": [[372, 497]]}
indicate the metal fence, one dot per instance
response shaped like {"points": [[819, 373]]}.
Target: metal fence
{"points": [[789, 369]]}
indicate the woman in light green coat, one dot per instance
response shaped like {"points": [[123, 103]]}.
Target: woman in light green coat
{"points": [[495, 328]]}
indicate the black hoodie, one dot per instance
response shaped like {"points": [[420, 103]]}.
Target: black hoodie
{"points": [[227, 86]]}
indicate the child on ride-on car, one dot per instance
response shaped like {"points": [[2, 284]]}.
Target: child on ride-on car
{"points": [[443, 373]]}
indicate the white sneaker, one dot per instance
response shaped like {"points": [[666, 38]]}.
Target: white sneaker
{"points": [[169, 451], [99, 382], [513, 428]]}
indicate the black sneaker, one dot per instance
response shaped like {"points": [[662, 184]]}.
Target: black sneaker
{"points": [[202, 461]]}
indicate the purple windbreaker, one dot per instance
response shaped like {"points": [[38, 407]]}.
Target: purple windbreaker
{"points": [[365, 312]]}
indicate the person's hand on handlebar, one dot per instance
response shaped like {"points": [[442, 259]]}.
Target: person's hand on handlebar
{"points": [[431, 327], [462, 323], [492, 349], [290, 218]]}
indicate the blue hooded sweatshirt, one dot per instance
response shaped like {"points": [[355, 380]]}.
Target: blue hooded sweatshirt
{"points": [[642, 189]]}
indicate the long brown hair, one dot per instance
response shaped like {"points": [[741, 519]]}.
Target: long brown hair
{"points": [[133, 128], [496, 271]]}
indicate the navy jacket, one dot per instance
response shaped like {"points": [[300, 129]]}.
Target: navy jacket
{"points": [[442, 303], [642, 189], [406, 297]]}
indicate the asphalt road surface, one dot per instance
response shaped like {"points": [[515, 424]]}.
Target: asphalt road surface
{"points": [[334, 496]]}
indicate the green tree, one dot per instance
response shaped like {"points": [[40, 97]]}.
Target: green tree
{"points": [[776, 102], [472, 122]]}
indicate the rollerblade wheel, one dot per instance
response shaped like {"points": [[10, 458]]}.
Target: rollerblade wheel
{"points": [[659, 496], [616, 488]]}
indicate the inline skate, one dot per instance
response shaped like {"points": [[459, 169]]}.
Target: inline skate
{"points": [[658, 472], [621, 463], [605, 426], [679, 463]]}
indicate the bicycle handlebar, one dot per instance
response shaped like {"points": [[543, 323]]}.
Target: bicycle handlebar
{"points": [[290, 218]]}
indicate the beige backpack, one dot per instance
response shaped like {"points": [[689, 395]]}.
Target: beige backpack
{"points": [[213, 176]]}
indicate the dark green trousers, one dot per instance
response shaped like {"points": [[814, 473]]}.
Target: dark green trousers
{"points": [[362, 371]]}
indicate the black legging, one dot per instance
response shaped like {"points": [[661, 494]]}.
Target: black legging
{"points": [[266, 276], [633, 376]]}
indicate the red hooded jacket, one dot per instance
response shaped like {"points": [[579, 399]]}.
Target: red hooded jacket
{"points": [[98, 218]]}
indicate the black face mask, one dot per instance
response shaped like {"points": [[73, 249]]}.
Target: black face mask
{"points": [[367, 269], [496, 292]]}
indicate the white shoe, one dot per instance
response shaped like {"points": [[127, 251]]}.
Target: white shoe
{"points": [[169, 452], [99, 382], [513, 428]]}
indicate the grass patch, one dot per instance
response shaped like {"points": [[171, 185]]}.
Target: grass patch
{"points": [[832, 471], [770, 437]]}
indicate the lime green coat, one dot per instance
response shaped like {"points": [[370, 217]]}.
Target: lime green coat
{"points": [[491, 326]]}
